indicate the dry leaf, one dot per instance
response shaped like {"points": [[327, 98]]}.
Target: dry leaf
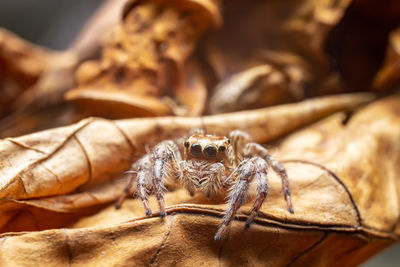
{"points": [[253, 88], [144, 61], [56, 211], [34, 79], [21, 65], [287, 38], [23, 123], [388, 76], [60, 67], [359, 41], [345, 194], [165, 57], [93, 151]]}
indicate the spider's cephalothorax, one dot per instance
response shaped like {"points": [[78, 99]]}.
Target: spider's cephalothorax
{"points": [[208, 163], [205, 164]]}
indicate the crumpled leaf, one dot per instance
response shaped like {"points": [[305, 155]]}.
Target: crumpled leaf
{"points": [[358, 43], [24, 123], [31, 78], [59, 67], [43, 75], [21, 65], [144, 61], [345, 194], [287, 38], [388, 76], [243, 90], [93, 151], [56, 211]]}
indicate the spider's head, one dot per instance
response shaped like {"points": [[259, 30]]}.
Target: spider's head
{"points": [[210, 147]]}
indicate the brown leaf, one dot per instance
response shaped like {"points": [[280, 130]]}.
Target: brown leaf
{"points": [[364, 155], [357, 44], [388, 76], [287, 38], [93, 151], [253, 88], [19, 124], [56, 211], [116, 104], [21, 65], [341, 215], [144, 61], [36, 78]]}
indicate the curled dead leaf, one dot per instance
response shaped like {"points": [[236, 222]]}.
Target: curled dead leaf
{"points": [[343, 170], [144, 61], [289, 39], [93, 151], [21, 65], [116, 104], [56, 211], [388, 76], [255, 87], [34, 79], [341, 215]]}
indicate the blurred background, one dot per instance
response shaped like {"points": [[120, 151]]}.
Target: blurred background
{"points": [[55, 24], [50, 23]]}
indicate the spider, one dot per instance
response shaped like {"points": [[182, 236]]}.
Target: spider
{"points": [[209, 163]]}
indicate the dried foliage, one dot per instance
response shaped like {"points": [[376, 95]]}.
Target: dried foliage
{"points": [[66, 159], [195, 59], [334, 207], [144, 61], [22, 66]]}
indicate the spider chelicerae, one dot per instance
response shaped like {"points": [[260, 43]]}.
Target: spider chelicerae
{"points": [[207, 163]]}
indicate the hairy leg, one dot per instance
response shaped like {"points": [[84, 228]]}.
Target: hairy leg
{"points": [[165, 156], [239, 139], [143, 185], [262, 189], [127, 189], [187, 177], [253, 149], [139, 173], [150, 172], [242, 177]]}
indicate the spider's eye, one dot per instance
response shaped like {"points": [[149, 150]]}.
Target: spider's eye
{"points": [[195, 149], [210, 151], [222, 149], [186, 144]]}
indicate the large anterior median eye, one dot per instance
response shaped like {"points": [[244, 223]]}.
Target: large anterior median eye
{"points": [[210, 151], [195, 149]]}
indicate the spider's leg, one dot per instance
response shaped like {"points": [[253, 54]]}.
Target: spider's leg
{"points": [[141, 171], [196, 131], [165, 156], [127, 189], [252, 149], [238, 140], [242, 176], [187, 178], [142, 182], [262, 189]]}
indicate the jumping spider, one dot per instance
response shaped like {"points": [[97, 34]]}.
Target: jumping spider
{"points": [[210, 163]]}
